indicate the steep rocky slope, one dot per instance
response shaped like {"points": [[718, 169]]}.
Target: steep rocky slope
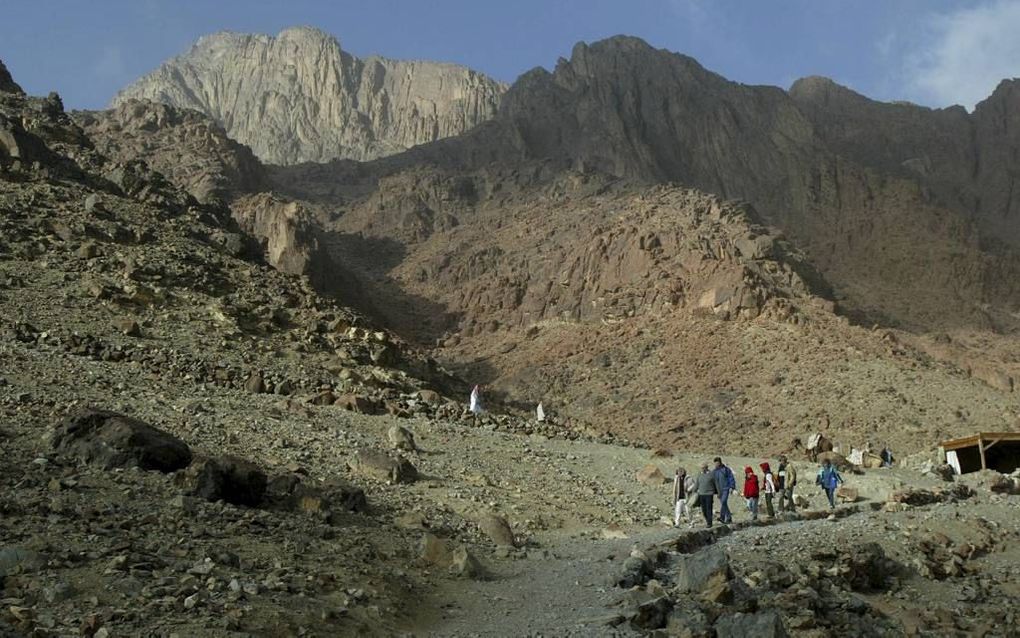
{"points": [[967, 162], [299, 97], [185, 146]]}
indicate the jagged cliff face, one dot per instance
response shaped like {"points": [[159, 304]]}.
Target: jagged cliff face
{"points": [[298, 97], [966, 162]]}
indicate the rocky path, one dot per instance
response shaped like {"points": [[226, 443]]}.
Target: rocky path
{"points": [[569, 588]]}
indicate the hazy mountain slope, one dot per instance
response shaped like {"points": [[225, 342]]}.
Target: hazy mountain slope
{"points": [[298, 97]]}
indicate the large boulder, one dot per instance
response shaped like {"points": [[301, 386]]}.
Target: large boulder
{"points": [[109, 440], [764, 624], [289, 492], [400, 438], [650, 475], [226, 478], [382, 467], [498, 529], [705, 574]]}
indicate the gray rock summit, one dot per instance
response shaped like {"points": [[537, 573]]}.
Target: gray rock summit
{"points": [[299, 97]]}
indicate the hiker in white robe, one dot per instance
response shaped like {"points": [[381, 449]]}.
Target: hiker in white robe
{"points": [[475, 404]]}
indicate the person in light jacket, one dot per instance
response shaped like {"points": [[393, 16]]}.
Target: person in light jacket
{"points": [[682, 487], [769, 482]]}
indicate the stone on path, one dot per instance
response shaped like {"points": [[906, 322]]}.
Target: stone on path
{"points": [[110, 440], [651, 475], [227, 478], [400, 438], [764, 624], [498, 530], [380, 466]]}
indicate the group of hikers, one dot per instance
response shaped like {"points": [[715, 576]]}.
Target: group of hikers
{"points": [[718, 481]]}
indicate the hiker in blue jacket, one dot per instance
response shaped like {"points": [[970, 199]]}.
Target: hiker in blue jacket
{"points": [[829, 479], [725, 482]]}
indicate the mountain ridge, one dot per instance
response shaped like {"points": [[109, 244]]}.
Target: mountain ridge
{"points": [[317, 101]]}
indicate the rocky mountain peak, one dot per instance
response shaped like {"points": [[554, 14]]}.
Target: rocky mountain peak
{"points": [[298, 97], [7, 83]]}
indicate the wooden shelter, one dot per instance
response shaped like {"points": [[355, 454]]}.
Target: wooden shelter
{"points": [[998, 451]]}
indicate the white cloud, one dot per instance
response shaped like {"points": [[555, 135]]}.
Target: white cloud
{"points": [[964, 54]]}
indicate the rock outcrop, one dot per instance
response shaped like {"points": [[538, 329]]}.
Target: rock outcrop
{"points": [[299, 97], [7, 83], [185, 146]]}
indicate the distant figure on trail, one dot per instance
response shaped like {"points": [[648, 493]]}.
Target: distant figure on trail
{"points": [[475, 404], [769, 482], [751, 491], [540, 413], [829, 479], [887, 457], [725, 483], [682, 487], [787, 476], [705, 485]]}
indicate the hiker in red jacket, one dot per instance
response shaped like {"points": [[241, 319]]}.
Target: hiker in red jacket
{"points": [[751, 491]]}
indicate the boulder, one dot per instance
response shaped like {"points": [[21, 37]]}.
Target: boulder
{"points": [[464, 563], [380, 466], [226, 478], [430, 397], [355, 403], [635, 571], [323, 398], [400, 438], [255, 384], [434, 551], [651, 475], [705, 573], [18, 559], [289, 492], [652, 614], [763, 624], [847, 494], [498, 530], [109, 440]]}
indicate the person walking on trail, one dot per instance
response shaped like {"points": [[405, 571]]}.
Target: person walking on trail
{"points": [[790, 482], [725, 483], [786, 478], [769, 482], [887, 457], [475, 403], [751, 491], [829, 479], [682, 484], [705, 485]]}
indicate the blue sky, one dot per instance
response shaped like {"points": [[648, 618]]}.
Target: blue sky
{"points": [[933, 52]]}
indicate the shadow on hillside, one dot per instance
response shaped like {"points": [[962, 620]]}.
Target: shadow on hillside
{"points": [[355, 271]]}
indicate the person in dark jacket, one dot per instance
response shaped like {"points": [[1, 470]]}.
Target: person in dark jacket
{"points": [[751, 491], [829, 479], [725, 483], [705, 485]]}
